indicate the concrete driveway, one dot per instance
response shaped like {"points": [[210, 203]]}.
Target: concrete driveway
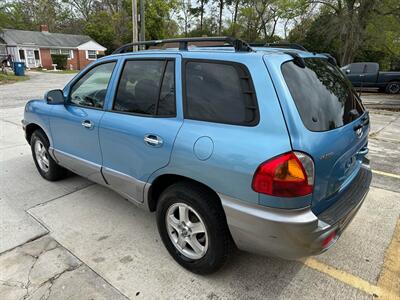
{"points": [[77, 240]]}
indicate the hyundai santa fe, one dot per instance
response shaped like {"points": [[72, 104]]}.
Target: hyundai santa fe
{"points": [[261, 148]]}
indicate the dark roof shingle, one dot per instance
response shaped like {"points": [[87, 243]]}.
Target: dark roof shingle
{"points": [[43, 39]]}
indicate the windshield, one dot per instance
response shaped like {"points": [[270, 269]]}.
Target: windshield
{"points": [[323, 96]]}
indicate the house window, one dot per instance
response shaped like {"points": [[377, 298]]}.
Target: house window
{"points": [[21, 54], [67, 52], [36, 54], [91, 54]]}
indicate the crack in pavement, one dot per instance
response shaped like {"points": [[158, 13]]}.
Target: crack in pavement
{"points": [[46, 262], [51, 281], [374, 134], [70, 262], [10, 122]]}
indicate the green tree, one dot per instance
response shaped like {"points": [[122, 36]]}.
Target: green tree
{"points": [[99, 28], [347, 23]]}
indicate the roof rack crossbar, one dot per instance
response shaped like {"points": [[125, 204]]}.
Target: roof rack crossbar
{"points": [[297, 59], [238, 45], [286, 45]]}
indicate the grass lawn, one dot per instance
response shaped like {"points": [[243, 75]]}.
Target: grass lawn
{"points": [[10, 78]]}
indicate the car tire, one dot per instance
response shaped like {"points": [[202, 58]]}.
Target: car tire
{"points": [[184, 211], [45, 164], [393, 87]]}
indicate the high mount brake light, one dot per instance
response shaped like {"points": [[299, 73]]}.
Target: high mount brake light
{"points": [[287, 175]]}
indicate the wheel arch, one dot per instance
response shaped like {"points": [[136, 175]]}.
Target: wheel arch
{"points": [[31, 128], [163, 181]]}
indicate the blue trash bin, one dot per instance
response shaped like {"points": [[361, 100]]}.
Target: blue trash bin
{"points": [[19, 68]]}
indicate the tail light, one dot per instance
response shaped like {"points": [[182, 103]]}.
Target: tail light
{"points": [[329, 239], [288, 175]]}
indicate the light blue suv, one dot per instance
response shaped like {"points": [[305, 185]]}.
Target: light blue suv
{"points": [[259, 147]]}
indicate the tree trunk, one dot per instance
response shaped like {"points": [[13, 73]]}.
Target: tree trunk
{"points": [[274, 28], [235, 17], [201, 14], [221, 7]]}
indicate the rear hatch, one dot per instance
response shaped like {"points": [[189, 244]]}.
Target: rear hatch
{"points": [[326, 120]]}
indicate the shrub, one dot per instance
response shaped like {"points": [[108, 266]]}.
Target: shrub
{"points": [[60, 60]]}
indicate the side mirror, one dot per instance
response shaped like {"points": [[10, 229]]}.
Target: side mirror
{"points": [[348, 71], [54, 97]]}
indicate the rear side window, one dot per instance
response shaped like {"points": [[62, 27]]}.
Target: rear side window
{"points": [[147, 87], [219, 92], [371, 68], [323, 97]]}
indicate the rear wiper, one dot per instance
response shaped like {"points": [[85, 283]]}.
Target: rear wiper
{"points": [[354, 113]]}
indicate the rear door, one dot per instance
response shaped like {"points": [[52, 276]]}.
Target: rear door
{"points": [[326, 120], [139, 128]]}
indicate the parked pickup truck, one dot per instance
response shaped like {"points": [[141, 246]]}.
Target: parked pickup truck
{"points": [[367, 75]]}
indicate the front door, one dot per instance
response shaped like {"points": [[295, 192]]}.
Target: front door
{"points": [[30, 58], [74, 126], [137, 133]]}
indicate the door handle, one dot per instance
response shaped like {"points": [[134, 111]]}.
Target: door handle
{"points": [[153, 140], [87, 124]]}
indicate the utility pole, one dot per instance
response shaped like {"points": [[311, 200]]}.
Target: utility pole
{"points": [[134, 24], [142, 21]]}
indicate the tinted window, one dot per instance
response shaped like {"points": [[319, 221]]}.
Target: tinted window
{"points": [[219, 92], [371, 68], [322, 95], [90, 90], [357, 68], [166, 104], [146, 87]]}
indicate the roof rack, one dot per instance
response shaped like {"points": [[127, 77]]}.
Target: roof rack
{"points": [[237, 44], [286, 45], [297, 59]]}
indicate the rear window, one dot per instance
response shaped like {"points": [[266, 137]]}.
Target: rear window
{"points": [[323, 96]]}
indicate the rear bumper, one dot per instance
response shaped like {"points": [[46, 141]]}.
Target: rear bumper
{"points": [[292, 234]]}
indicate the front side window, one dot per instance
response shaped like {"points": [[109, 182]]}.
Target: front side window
{"points": [[36, 54], [323, 96], [220, 92], [147, 87], [357, 68], [91, 89]]}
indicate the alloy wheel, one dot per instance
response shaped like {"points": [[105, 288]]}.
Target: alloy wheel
{"points": [[42, 156], [187, 230]]}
